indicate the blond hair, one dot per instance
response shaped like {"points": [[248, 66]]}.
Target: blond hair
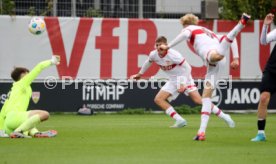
{"points": [[189, 19]]}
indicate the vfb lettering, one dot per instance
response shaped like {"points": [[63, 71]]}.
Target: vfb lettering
{"points": [[102, 92], [242, 96]]}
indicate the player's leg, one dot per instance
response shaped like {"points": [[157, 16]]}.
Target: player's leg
{"points": [[42, 134], [33, 131], [205, 111], [262, 113], [209, 85], [267, 87], [196, 98], [34, 118], [12, 121], [225, 117], [228, 39], [213, 56], [161, 99], [214, 73], [192, 91]]}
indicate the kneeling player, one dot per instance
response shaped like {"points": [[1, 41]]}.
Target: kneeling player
{"points": [[180, 80], [18, 122]]}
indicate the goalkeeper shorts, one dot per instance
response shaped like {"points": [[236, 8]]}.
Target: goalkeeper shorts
{"points": [[14, 120]]}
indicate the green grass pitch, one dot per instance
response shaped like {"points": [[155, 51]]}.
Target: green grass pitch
{"points": [[142, 139]]}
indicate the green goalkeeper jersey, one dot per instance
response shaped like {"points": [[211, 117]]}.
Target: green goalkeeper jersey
{"points": [[21, 92]]}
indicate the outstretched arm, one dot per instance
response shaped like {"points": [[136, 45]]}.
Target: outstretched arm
{"points": [[182, 80], [267, 38], [235, 52], [184, 35], [144, 68], [29, 78]]}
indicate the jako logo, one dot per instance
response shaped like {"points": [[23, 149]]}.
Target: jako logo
{"points": [[216, 97], [242, 96]]}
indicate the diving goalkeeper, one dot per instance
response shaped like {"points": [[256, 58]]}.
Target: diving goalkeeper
{"points": [[16, 120]]}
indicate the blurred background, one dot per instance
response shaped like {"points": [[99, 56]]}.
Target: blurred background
{"points": [[219, 9]]}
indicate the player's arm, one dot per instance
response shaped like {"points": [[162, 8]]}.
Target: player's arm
{"points": [[178, 59], [182, 80], [267, 38], [143, 69], [184, 35], [235, 52], [29, 78]]}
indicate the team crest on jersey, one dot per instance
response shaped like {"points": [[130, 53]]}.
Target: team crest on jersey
{"points": [[35, 97], [168, 66], [168, 63]]}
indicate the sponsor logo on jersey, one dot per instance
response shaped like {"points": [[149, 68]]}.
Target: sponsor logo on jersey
{"points": [[168, 66]]}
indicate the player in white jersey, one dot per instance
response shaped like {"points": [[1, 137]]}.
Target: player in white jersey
{"points": [[214, 70], [180, 80], [212, 50]]}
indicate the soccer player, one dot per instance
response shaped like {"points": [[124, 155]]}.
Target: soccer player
{"points": [[211, 49], [16, 120], [180, 81], [268, 83]]}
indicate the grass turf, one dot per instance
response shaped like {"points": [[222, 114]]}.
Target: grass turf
{"points": [[142, 139]]}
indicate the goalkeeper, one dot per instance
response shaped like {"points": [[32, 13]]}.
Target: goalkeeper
{"points": [[16, 120]]}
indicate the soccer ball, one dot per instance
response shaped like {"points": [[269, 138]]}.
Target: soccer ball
{"points": [[37, 26]]}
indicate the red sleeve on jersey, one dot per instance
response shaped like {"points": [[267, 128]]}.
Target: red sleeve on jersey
{"points": [[182, 62]]}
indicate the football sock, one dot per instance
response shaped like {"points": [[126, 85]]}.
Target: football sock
{"points": [[235, 31], [205, 114], [173, 114], [261, 125], [227, 41], [33, 131], [218, 112], [29, 124]]}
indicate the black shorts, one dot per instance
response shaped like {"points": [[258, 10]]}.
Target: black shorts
{"points": [[268, 83]]}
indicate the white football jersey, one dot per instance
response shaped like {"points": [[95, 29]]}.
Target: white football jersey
{"points": [[202, 39], [171, 63]]}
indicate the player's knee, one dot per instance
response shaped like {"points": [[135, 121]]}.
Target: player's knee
{"points": [[198, 101], [220, 57], [216, 58], [44, 115], [158, 100], [264, 99]]}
